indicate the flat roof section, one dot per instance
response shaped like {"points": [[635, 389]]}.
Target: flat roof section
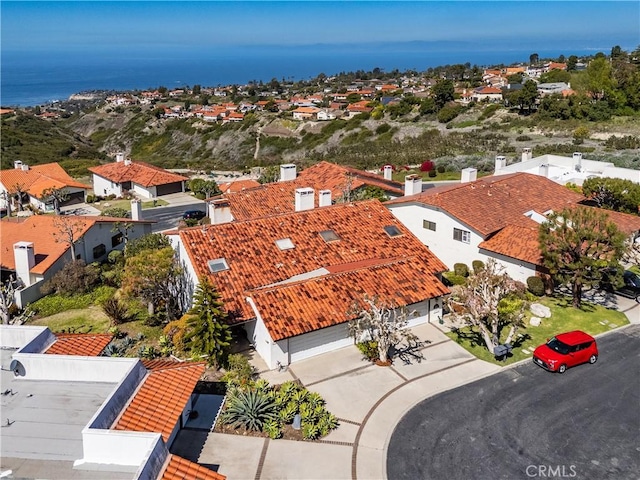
{"points": [[44, 419]]}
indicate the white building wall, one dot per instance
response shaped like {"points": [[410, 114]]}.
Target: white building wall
{"points": [[104, 187], [440, 242], [146, 192]]}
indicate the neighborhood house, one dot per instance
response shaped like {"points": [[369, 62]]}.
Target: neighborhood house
{"points": [[289, 280]]}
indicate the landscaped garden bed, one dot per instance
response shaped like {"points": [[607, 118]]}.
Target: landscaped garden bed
{"points": [[592, 319]]}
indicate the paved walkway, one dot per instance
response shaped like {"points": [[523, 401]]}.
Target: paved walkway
{"points": [[368, 400]]}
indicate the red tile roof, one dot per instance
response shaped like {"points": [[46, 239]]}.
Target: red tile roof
{"points": [[42, 231], [490, 203], [313, 284], [160, 400], [238, 186], [516, 241], [38, 178], [137, 172], [180, 468], [279, 197], [84, 344]]}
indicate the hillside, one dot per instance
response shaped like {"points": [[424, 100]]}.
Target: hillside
{"points": [[473, 138]]}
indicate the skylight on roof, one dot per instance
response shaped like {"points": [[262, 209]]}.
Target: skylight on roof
{"points": [[285, 244], [392, 230], [329, 236], [218, 265]]}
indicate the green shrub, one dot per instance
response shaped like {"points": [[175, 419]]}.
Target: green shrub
{"points": [[56, 303], [536, 286], [448, 113], [91, 198], [432, 174], [251, 410], [273, 429], [451, 278], [117, 311], [461, 269], [369, 349], [239, 371], [477, 266], [523, 138], [441, 168], [75, 277], [310, 431]]}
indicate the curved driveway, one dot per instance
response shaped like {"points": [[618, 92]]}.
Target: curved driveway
{"points": [[528, 423]]}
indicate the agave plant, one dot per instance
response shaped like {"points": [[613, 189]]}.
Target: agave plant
{"points": [[287, 389], [307, 413], [262, 385], [273, 429], [327, 422], [315, 399], [250, 409], [287, 412], [310, 431], [300, 396]]}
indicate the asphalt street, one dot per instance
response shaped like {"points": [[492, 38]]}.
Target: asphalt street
{"points": [[168, 217], [528, 423]]}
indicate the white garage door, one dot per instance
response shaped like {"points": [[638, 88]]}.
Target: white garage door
{"points": [[320, 341]]}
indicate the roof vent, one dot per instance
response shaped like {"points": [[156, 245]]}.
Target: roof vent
{"points": [[329, 236], [285, 244]]}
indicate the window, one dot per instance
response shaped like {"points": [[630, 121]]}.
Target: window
{"points": [[461, 235], [117, 240], [99, 251], [285, 244], [392, 231], [329, 236], [428, 225], [218, 265]]}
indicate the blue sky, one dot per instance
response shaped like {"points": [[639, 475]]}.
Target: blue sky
{"points": [[92, 26]]}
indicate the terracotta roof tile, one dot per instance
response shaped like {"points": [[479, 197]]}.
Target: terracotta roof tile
{"points": [[38, 178], [490, 203], [161, 364], [515, 241], [179, 468], [238, 186], [89, 345], [160, 400], [42, 231], [314, 277], [138, 172], [279, 197]]}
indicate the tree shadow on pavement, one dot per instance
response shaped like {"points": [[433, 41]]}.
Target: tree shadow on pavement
{"points": [[411, 352]]}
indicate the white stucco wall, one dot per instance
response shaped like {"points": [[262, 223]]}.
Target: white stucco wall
{"points": [[440, 241], [104, 187], [146, 192]]}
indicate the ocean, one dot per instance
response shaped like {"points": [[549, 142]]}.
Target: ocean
{"points": [[37, 78]]}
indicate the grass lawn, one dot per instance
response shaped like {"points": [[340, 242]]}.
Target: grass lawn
{"points": [[93, 320], [592, 319], [126, 204]]}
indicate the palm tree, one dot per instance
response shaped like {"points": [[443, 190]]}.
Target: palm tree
{"points": [[207, 332]]}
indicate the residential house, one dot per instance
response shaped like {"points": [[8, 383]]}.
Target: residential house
{"points": [[233, 117], [555, 66], [325, 114], [305, 113], [493, 217], [124, 175], [105, 417], [489, 94], [575, 169], [35, 248], [34, 183], [238, 186], [335, 181], [551, 88], [359, 107], [290, 280]]}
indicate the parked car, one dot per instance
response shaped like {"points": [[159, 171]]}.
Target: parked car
{"points": [[566, 350], [193, 215], [630, 286]]}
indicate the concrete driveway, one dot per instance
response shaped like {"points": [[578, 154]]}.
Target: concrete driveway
{"points": [[368, 400]]}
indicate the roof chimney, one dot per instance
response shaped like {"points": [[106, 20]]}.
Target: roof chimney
{"points": [[469, 175], [25, 260], [577, 161], [287, 172], [119, 157], [412, 184], [543, 170], [526, 154], [388, 172], [220, 211], [324, 198], [25, 167], [501, 162], [136, 209], [127, 162], [17, 164], [304, 199]]}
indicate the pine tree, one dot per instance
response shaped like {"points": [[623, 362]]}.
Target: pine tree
{"points": [[207, 332]]}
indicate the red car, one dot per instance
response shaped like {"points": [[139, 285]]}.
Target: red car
{"points": [[566, 350]]}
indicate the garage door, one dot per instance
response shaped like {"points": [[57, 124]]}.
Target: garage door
{"points": [[320, 341], [168, 188]]}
